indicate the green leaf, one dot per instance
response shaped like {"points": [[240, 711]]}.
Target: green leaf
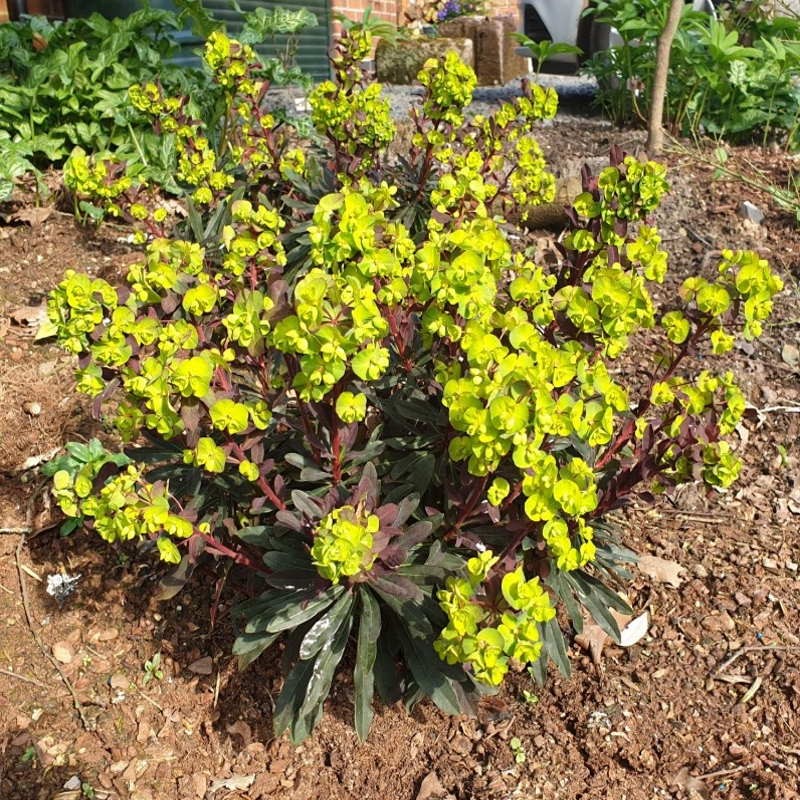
{"points": [[297, 612], [257, 535], [319, 683], [292, 694], [261, 611], [324, 629], [249, 646], [428, 671], [538, 670], [553, 642], [363, 676], [565, 593]]}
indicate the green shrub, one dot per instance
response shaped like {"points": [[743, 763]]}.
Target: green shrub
{"points": [[720, 82], [64, 85], [347, 377]]}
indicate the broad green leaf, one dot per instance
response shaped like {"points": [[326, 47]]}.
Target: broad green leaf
{"points": [[322, 632], [553, 642], [297, 612], [363, 676]]}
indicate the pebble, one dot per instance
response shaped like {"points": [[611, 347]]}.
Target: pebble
{"points": [[33, 409], [63, 652], [118, 681]]}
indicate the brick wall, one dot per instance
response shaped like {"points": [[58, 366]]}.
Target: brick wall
{"points": [[389, 10], [392, 10], [504, 8]]}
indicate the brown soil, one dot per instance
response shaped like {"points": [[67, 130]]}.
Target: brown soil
{"points": [[706, 705]]}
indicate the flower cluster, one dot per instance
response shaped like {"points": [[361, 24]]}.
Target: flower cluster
{"points": [[343, 543], [125, 507], [491, 636], [96, 178]]}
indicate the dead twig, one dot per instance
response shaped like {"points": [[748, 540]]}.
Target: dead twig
{"points": [[755, 648], [23, 678], [721, 772], [29, 618], [151, 701], [751, 692]]}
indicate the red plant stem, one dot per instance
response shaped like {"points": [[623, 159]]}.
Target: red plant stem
{"points": [[336, 449], [622, 439], [236, 556], [626, 434], [262, 482], [291, 365], [398, 342], [469, 506]]}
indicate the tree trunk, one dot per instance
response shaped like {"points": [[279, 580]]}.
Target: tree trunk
{"points": [[655, 131]]}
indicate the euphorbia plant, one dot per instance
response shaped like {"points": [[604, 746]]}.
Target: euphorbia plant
{"points": [[358, 387]]}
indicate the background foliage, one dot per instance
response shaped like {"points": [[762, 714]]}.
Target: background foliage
{"points": [[736, 76]]}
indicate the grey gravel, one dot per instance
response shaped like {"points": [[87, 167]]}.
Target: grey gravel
{"points": [[575, 93]]}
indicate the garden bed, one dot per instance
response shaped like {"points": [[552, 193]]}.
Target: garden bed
{"points": [[708, 704]]}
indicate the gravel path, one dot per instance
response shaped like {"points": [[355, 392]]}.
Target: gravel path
{"points": [[575, 96]]}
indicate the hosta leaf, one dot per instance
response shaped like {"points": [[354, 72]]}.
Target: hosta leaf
{"points": [[363, 676], [324, 629]]}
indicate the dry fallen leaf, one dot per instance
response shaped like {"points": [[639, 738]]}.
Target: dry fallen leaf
{"points": [[235, 782], [688, 783], [661, 570], [33, 215], [203, 666], [593, 638], [790, 353], [63, 652], [29, 316], [431, 787]]}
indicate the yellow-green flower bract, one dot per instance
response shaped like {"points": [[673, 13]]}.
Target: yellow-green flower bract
{"points": [[487, 638], [343, 543]]}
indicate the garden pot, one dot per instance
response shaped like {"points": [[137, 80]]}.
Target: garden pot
{"points": [[496, 60], [399, 63]]}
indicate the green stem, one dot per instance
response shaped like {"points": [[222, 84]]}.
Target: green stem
{"points": [[138, 145]]}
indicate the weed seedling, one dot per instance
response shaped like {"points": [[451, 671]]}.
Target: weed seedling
{"points": [[152, 669], [518, 749]]}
